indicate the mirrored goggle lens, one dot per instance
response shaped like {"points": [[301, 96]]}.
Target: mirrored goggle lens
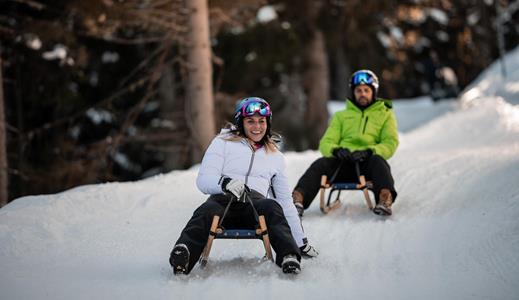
{"points": [[253, 108], [362, 78]]}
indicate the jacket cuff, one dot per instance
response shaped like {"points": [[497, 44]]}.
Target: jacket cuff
{"points": [[224, 180]]}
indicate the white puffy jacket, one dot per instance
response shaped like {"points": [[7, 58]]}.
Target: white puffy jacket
{"points": [[238, 160]]}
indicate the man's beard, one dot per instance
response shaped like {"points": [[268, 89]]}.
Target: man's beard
{"points": [[365, 103]]}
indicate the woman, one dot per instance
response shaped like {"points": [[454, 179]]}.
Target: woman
{"points": [[245, 155]]}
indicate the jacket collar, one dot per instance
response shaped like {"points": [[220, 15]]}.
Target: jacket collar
{"points": [[378, 104]]}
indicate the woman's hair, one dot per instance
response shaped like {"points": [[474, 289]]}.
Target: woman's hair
{"points": [[231, 133]]}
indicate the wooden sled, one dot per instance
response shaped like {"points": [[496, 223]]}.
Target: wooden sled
{"points": [[218, 232], [363, 185]]}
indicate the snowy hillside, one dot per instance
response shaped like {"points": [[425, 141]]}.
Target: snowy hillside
{"points": [[454, 233]]}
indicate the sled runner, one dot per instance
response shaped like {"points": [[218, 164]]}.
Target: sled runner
{"points": [[217, 231], [363, 185]]}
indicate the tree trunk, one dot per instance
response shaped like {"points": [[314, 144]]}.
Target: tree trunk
{"points": [[341, 72], [177, 151], [3, 145], [316, 83], [199, 89]]}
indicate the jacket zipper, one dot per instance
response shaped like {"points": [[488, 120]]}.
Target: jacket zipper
{"points": [[365, 123], [360, 121], [250, 164]]}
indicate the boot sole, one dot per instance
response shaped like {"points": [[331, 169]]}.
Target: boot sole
{"points": [[179, 270], [179, 261], [291, 267], [291, 270], [382, 212]]}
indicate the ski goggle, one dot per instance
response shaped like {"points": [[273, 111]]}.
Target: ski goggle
{"points": [[362, 78], [253, 106]]}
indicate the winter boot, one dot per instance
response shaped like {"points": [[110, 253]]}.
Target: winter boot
{"points": [[385, 201], [179, 259], [290, 264], [298, 202], [308, 251]]}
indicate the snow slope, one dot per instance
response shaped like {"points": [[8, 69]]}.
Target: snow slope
{"points": [[454, 233]]}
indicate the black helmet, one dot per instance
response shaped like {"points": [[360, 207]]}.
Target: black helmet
{"points": [[366, 77]]}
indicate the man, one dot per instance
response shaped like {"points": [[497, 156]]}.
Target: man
{"points": [[365, 132]]}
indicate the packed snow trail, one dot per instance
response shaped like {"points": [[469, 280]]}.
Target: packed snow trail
{"points": [[454, 233]]}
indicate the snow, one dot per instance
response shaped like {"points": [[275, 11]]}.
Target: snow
{"points": [[59, 52], [454, 233], [33, 42], [492, 82], [266, 14], [251, 56], [473, 18], [384, 39], [397, 34], [438, 15], [98, 116], [110, 57]]}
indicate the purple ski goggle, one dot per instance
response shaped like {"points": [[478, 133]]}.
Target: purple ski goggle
{"points": [[252, 107]]}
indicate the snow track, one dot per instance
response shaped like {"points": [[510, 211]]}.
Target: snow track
{"points": [[454, 233]]}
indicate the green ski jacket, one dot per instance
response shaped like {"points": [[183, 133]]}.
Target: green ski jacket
{"points": [[374, 128]]}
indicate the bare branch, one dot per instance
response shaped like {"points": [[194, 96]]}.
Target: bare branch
{"points": [[134, 113], [59, 122], [154, 137], [11, 128], [123, 41], [32, 4]]}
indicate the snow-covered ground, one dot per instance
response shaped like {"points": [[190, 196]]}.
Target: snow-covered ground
{"points": [[454, 233]]}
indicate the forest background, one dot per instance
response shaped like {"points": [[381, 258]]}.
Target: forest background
{"points": [[112, 90]]}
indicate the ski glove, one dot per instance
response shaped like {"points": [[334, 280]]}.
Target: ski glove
{"points": [[234, 186], [361, 155], [308, 251], [342, 154]]}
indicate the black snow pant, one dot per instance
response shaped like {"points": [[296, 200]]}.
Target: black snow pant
{"points": [[239, 216], [375, 169]]}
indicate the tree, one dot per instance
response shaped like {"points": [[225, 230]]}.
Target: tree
{"points": [[3, 146], [314, 62], [316, 86], [199, 87]]}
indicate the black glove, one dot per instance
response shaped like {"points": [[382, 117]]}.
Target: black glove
{"points": [[342, 154], [361, 155]]}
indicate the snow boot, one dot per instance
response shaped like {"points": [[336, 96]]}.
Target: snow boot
{"points": [[308, 251], [290, 264], [385, 201], [298, 202], [179, 259]]}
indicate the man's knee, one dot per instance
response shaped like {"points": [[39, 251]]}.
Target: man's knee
{"points": [[376, 161], [323, 163], [377, 158]]}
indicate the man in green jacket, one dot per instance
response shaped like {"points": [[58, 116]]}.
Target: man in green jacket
{"points": [[365, 132]]}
